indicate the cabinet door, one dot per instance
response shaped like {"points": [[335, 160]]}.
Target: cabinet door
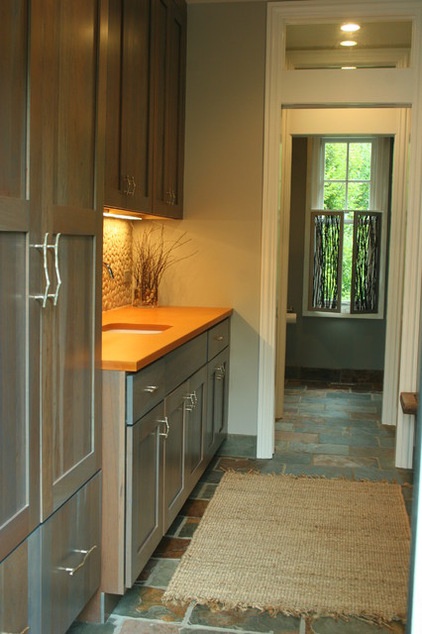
{"points": [[19, 352], [218, 390], [195, 406], [129, 147], [174, 452], [169, 46], [71, 35], [144, 511], [14, 591]]}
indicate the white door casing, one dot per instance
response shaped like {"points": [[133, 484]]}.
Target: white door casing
{"points": [[398, 87]]}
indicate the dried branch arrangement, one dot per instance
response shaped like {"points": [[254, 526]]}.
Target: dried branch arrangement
{"points": [[153, 255]]}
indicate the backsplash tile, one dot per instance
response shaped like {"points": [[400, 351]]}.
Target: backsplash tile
{"points": [[117, 252]]}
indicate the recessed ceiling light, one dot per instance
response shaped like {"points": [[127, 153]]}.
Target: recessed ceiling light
{"points": [[350, 27], [348, 68], [348, 43]]}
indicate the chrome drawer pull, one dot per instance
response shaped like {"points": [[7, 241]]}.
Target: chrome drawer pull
{"points": [[164, 420], [219, 338], [151, 388], [73, 571]]}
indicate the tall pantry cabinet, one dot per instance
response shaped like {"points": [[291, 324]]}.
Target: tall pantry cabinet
{"points": [[51, 158]]}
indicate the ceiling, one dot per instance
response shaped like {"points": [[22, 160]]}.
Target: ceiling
{"points": [[371, 35]]}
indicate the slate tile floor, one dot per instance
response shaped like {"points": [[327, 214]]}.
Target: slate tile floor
{"points": [[328, 432]]}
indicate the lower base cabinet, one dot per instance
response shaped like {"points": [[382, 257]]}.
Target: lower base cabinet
{"points": [[144, 510], [47, 580], [14, 612], [161, 427], [216, 420], [64, 561]]}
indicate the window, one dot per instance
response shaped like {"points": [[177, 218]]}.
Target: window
{"points": [[347, 226]]}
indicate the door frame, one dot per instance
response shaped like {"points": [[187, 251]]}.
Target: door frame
{"points": [[399, 87]]}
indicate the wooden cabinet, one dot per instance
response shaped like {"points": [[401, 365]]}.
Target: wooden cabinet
{"points": [[14, 609], [174, 453], [218, 387], [128, 177], [196, 408], [144, 509], [145, 106], [64, 560], [71, 221], [51, 186], [169, 59], [19, 346], [156, 445], [218, 391]]}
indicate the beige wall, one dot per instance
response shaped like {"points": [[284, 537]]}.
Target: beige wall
{"points": [[223, 182], [223, 191]]}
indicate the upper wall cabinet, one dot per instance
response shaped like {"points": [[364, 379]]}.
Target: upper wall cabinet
{"points": [[146, 106], [169, 69]]}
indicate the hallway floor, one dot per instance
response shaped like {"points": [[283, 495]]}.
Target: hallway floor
{"points": [[326, 432]]}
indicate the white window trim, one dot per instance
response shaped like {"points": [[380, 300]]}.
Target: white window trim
{"points": [[379, 202]]}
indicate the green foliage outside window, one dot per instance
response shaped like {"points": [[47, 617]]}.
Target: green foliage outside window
{"points": [[347, 181]]}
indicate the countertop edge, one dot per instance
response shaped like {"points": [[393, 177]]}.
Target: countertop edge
{"points": [[169, 346]]}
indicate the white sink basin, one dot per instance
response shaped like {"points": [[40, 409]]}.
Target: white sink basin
{"points": [[135, 329]]}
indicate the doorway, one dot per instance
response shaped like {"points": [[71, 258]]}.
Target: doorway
{"points": [[335, 296], [303, 123], [383, 87]]}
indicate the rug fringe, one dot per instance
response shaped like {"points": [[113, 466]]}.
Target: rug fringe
{"points": [[309, 617]]}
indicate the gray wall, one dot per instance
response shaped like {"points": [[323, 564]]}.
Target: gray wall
{"points": [[318, 342]]}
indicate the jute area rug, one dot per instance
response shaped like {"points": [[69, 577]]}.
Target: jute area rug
{"points": [[300, 546]]}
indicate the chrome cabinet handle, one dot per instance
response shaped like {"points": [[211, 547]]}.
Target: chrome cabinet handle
{"points": [[164, 420], [72, 571], [130, 185], [151, 388], [133, 186], [55, 247], [188, 402], [191, 401], [219, 338], [170, 197], [43, 248], [220, 372]]}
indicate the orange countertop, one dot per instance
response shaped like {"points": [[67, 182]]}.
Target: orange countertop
{"points": [[130, 352]]}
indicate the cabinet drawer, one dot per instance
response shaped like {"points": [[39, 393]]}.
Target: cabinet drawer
{"points": [[14, 591], [145, 389], [70, 559], [218, 338], [185, 361]]}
